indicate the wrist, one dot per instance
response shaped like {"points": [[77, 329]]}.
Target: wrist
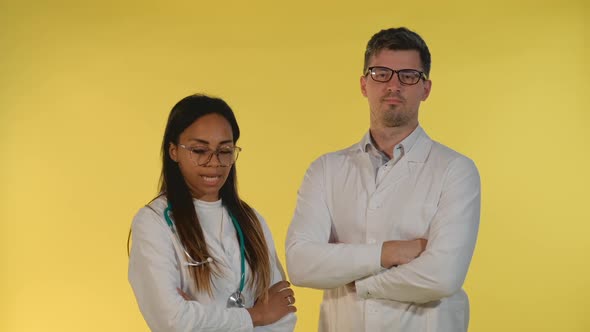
{"points": [[387, 254], [255, 316]]}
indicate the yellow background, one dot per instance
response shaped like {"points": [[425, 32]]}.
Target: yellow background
{"points": [[86, 86]]}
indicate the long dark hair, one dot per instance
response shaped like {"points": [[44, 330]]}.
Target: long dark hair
{"points": [[174, 187]]}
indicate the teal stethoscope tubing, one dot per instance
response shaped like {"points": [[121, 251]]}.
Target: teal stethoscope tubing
{"points": [[240, 236]]}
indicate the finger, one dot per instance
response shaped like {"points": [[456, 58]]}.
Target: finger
{"points": [[280, 286], [286, 292], [290, 300]]}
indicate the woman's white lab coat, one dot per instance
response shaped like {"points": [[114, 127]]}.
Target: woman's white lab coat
{"points": [[156, 270]]}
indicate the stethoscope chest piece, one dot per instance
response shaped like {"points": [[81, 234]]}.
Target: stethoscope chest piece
{"points": [[236, 300]]}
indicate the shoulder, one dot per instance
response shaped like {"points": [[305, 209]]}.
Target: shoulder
{"points": [[263, 224], [438, 155], [336, 159], [450, 165], [151, 216], [451, 157]]}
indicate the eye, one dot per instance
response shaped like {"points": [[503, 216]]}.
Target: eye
{"points": [[381, 74], [199, 150], [409, 75], [226, 150]]}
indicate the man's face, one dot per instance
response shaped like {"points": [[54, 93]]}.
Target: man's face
{"points": [[394, 104]]}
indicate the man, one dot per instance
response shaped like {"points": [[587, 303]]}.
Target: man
{"points": [[387, 227]]}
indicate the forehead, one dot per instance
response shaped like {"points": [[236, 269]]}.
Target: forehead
{"points": [[397, 59], [212, 128]]}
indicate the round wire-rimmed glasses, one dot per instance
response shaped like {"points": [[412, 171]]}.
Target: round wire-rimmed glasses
{"points": [[405, 76], [226, 155]]}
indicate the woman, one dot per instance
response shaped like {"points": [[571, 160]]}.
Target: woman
{"points": [[201, 258]]}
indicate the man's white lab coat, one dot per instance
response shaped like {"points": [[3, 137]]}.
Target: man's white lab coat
{"points": [[343, 216]]}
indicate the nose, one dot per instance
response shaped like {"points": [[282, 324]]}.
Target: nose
{"points": [[394, 84], [213, 160]]}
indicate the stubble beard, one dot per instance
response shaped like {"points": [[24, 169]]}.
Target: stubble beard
{"points": [[394, 116]]}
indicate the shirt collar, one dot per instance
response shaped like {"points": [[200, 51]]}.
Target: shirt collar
{"points": [[406, 144]]}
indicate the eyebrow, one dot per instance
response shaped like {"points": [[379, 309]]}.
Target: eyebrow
{"points": [[198, 140]]}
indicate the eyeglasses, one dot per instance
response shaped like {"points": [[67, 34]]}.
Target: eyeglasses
{"points": [[201, 156], [405, 76]]}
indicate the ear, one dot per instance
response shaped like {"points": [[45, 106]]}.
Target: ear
{"points": [[427, 87], [173, 150], [364, 85]]}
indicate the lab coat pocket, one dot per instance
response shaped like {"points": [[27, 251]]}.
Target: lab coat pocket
{"points": [[416, 221]]}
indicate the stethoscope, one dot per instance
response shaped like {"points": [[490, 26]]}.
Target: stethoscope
{"points": [[236, 299]]}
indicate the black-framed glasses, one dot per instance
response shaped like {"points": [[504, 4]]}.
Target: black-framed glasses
{"points": [[405, 76], [201, 156]]}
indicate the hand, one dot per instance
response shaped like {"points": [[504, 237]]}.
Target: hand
{"points": [[401, 252], [280, 302]]}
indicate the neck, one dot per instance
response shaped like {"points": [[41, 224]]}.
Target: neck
{"points": [[386, 138], [206, 197]]}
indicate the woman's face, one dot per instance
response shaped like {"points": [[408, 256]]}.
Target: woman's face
{"points": [[209, 133]]}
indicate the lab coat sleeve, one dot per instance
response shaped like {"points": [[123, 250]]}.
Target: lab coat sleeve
{"points": [[311, 260], [287, 323], [441, 269], [155, 276]]}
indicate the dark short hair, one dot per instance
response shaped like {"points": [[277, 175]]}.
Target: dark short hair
{"points": [[396, 39]]}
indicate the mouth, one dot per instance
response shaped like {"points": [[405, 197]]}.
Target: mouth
{"points": [[211, 179], [392, 101]]}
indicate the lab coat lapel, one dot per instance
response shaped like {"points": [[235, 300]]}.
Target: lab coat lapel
{"points": [[407, 165], [366, 171]]}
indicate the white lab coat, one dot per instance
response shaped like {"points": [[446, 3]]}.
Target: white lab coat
{"points": [[343, 217], [156, 270]]}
